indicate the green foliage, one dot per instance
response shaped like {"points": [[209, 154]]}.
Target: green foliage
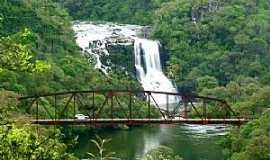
{"points": [[103, 154], [221, 39], [25, 144], [246, 95], [255, 104], [121, 11], [15, 53], [8, 103], [161, 153], [206, 82], [253, 142]]}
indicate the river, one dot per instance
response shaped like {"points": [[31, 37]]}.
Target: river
{"points": [[191, 142]]}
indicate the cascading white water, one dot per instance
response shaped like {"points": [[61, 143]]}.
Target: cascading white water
{"points": [[149, 71], [94, 38]]}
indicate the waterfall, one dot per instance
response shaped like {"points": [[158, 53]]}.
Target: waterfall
{"points": [[93, 39], [149, 70]]}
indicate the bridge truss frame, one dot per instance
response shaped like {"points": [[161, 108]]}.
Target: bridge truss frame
{"points": [[75, 98]]}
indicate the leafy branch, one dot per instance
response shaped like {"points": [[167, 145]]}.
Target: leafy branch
{"points": [[102, 152]]}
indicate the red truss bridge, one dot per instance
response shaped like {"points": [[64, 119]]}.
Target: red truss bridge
{"points": [[131, 107]]}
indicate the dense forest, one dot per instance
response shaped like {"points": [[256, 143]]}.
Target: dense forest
{"points": [[219, 48], [124, 11]]}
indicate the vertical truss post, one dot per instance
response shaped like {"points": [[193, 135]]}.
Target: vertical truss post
{"points": [[111, 107], [55, 108], [37, 109], [111, 95], [130, 105], [93, 105], [204, 110], [167, 104], [185, 106], [74, 106], [37, 129], [55, 116], [227, 110], [52, 46], [66, 112], [148, 104]]}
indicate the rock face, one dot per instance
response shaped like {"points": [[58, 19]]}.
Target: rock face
{"points": [[122, 57]]}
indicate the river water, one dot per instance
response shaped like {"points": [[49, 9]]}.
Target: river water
{"points": [[192, 142]]}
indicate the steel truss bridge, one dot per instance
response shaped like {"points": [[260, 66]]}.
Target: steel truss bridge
{"points": [[130, 107]]}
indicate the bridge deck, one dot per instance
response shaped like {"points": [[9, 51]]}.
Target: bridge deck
{"points": [[235, 121]]}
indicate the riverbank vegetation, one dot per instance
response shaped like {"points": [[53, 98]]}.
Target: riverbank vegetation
{"points": [[251, 142]]}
